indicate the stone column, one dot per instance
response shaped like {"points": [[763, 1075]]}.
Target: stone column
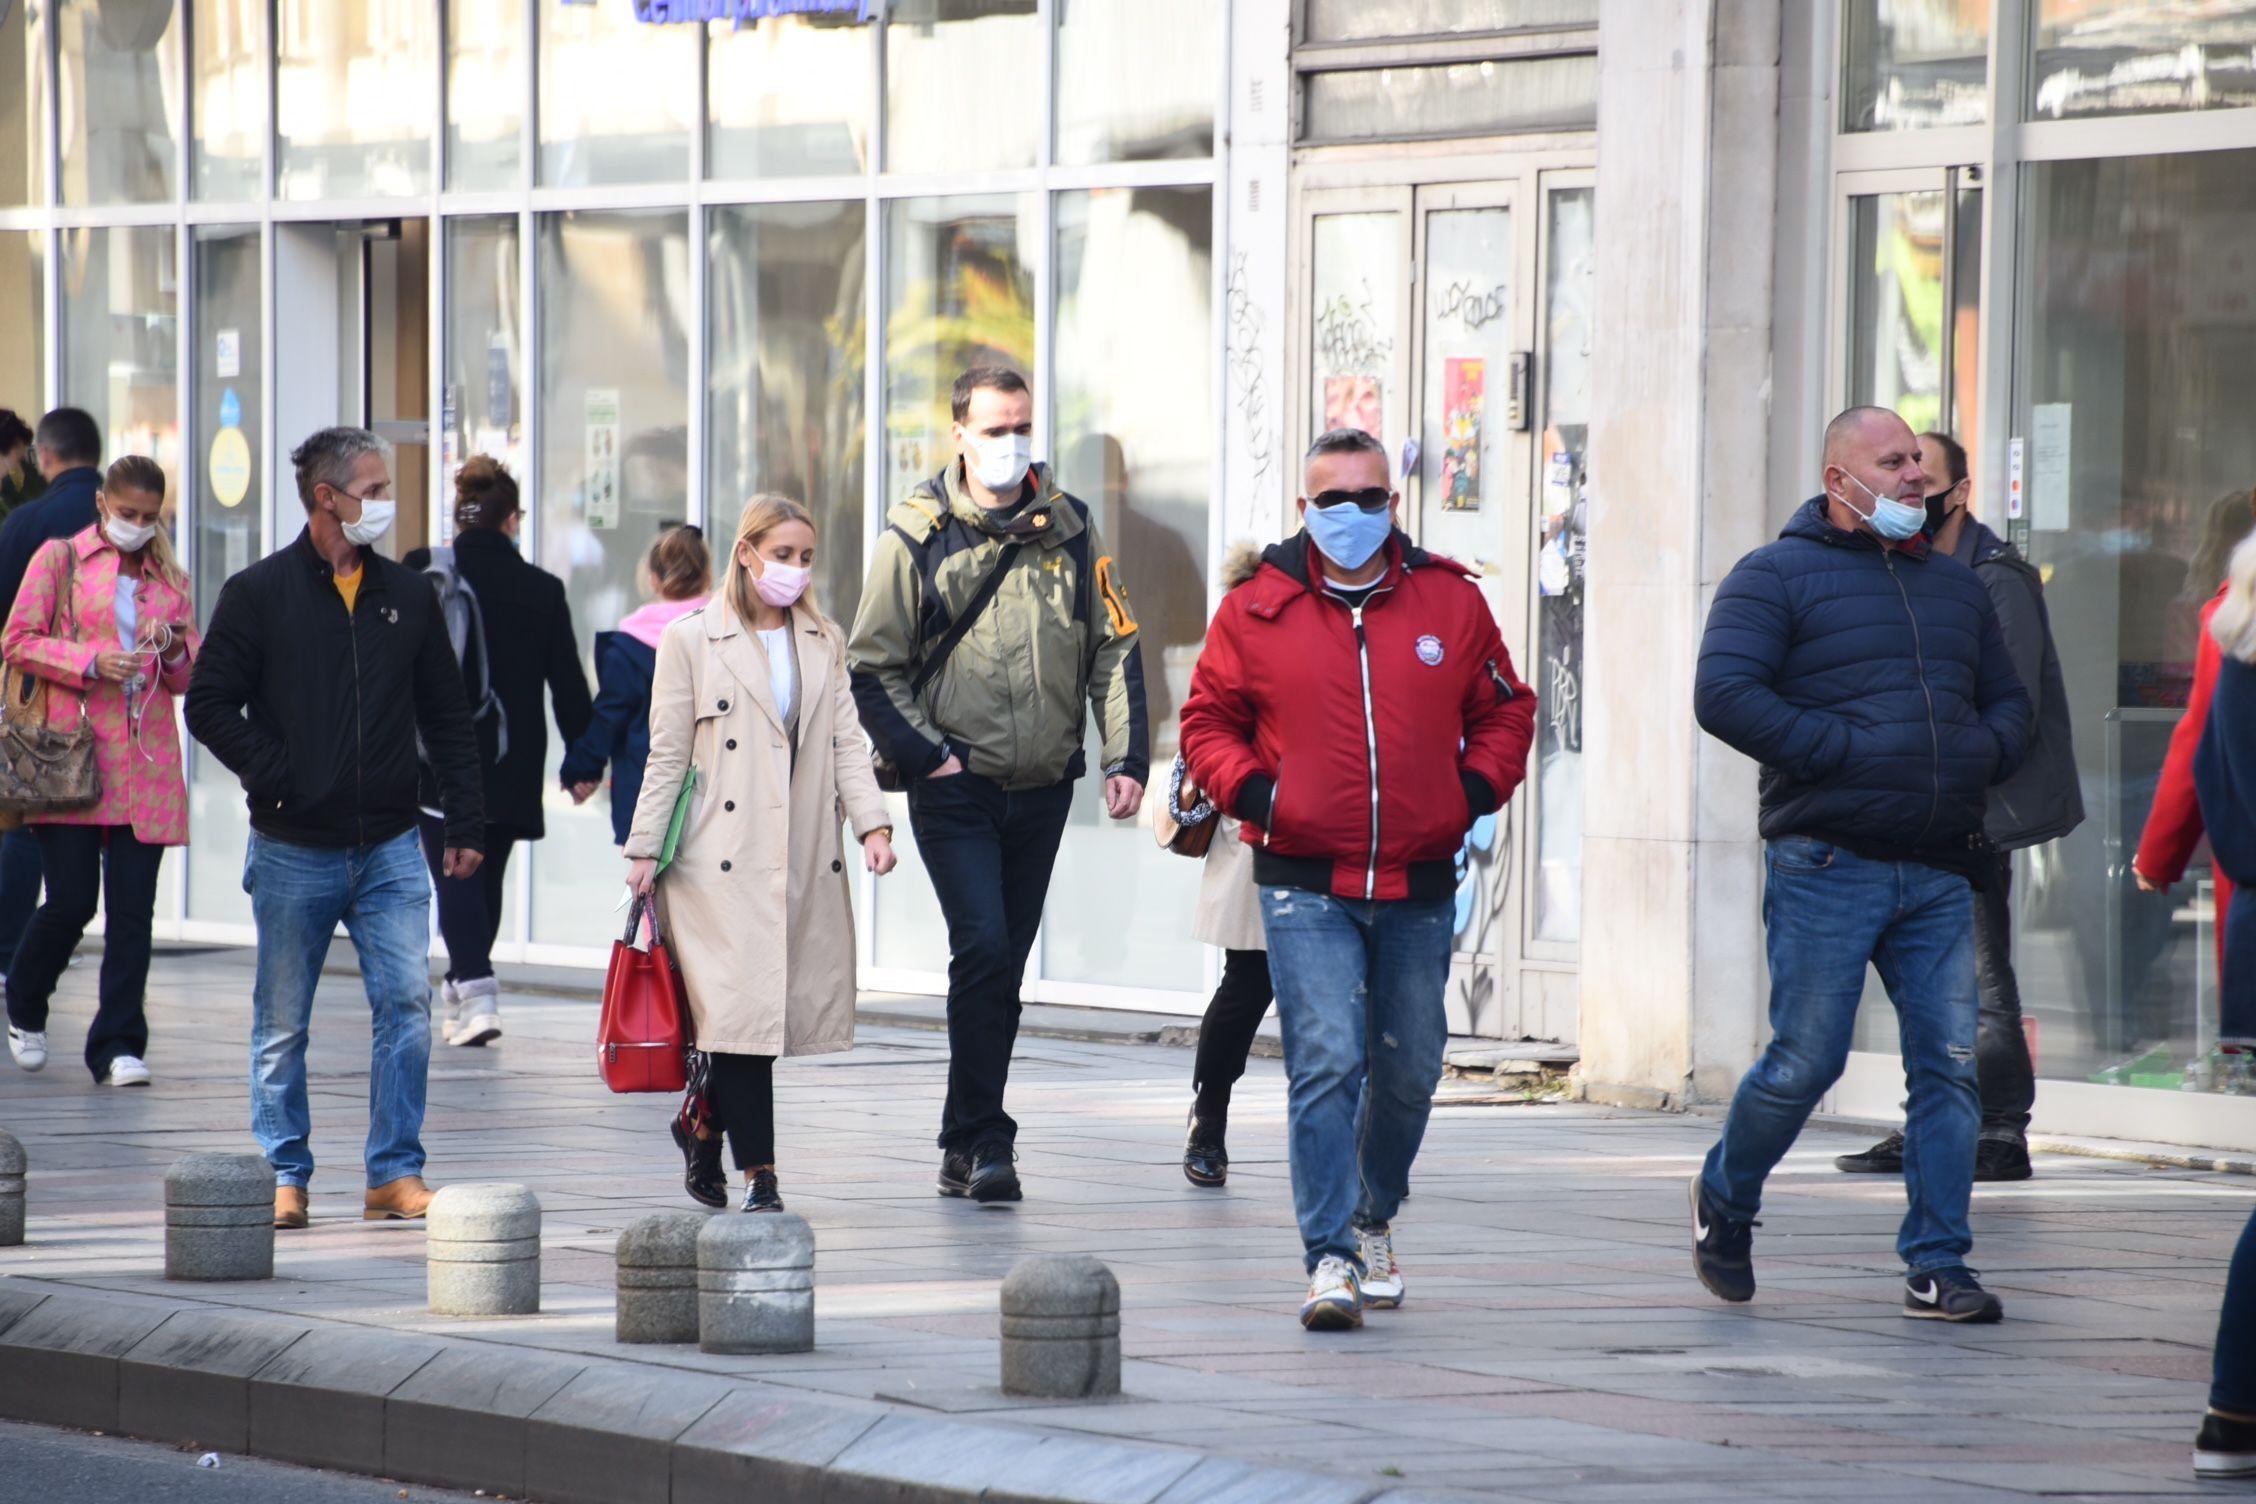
{"points": [[482, 1251], [12, 1168], [657, 1273], [1061, 1328], [756, 1284], [219, 1217]]}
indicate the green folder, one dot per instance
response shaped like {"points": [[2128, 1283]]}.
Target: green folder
{"points": [[680, 818]]}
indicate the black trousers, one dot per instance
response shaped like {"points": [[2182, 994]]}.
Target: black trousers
{"points": [[2006, 1079], [469, 907], [1233, 1017], [84, 863], [741, 1091], [990, 853]]}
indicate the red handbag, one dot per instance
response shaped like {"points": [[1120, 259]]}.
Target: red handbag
{"points": [[642, 1039]]}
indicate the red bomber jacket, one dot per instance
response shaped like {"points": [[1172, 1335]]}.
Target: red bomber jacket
{"points": [[1357, 743]]}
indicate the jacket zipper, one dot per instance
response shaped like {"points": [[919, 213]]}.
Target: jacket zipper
{"points": [[360, 744], [1934, 735], [1371, 747]]}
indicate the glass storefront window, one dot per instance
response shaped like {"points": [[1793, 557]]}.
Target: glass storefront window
{"points": [[1357, 326], [615, 326], [617, 97], [959, 76], [1137, 81], [1134, 391], [2138, 57], [1913, 64], [485, 95], [23, 109], [789, 97], [1562, 521], [959, 287], [229, 159], [482, 408], [1366, 20], [120, 94], [2136, 349], [23, 333], [784, 398], [1463, 442], [1896, 248], [353, 98], [1452, 99], [121, 340], [225, 530]]}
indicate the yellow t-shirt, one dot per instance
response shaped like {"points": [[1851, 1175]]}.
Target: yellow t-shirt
{"points": [[348, 586]]}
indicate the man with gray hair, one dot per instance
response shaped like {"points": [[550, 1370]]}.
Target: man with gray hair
{"points": [[323, 664]]}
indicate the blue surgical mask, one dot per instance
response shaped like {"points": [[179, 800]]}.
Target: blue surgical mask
{"points": [[1348, 535], [1891, 519]]}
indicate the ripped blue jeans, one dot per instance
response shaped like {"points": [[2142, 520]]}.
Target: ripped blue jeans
{"points": [[1826, 913], [1359, 1000]]}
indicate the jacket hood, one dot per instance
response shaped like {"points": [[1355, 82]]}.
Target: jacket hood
{"points": [[1289, 557], [1241, 563], [648, 622], [1810, 522]]}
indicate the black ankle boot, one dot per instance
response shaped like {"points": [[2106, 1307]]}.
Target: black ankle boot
{"points": [[702, 1175], [1205, 1160], [760, 1194]]}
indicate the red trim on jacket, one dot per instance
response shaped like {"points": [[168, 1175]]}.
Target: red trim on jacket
{"points": [[2173, 825]]}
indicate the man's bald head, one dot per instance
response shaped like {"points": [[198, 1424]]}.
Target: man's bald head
{"points": [[1856, 426], [1870, 453]]}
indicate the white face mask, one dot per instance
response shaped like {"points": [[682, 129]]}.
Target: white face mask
{"points": [[130, 537], [1002, 461], [375, 521]]}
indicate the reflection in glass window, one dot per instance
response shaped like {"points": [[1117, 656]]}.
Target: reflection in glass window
{"points": [[615, 315], [1562, 524], [121, 340], [2131, 399], [961, 78], [1453, 99], [1896, 304], [1916, 63], [1965, 385], [785, 392], [1137, 79], [1133, 382], [229, 38], [1463, 441], [227, 507], [618, 98], [789, 97], [485, 95], [23, 333], [23, 109], [121, 70], [2137, 57], [1364, 20], [1357, 336], [485, 348], [353, 99]]}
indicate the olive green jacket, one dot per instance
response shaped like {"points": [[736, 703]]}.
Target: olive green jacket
{"points": [[1057, 635]]}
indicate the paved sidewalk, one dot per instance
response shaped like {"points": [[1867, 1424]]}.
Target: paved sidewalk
{"points": [[1555, 1345]]}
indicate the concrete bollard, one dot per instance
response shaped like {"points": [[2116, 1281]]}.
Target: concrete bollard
{"points": [[756, 1284], [1061, 1328], [219, 1217], [482, 1251], [12, 1164], [658, 1278]]}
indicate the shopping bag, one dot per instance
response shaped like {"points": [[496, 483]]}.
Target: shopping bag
{"points": [[679, 819], [643, 1034]]}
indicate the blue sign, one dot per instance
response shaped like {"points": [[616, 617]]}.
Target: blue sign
{"points": [[230, 409], [745, 12]]}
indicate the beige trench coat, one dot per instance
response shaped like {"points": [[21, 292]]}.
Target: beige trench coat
{"points": [[755, 904], [1229, 903]]}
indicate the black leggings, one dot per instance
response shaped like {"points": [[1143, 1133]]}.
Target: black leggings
{"points": [[741, 1091], [1233, 1017], [469, 907]]}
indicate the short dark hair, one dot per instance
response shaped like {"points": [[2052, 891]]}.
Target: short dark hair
{"points": [[71, 435], [14, 431], [982, 378], [1952, 451], [328, 457], [1343, 441]]}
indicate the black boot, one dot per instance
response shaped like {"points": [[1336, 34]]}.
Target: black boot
{"points": [[1205, 1160], [702, 1175]]}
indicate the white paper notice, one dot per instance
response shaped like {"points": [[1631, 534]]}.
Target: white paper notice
{"points": [[2048, 465], [227, 354], [603, 457]]}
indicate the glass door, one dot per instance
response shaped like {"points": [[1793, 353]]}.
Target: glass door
{"points": [[1356, 334]]}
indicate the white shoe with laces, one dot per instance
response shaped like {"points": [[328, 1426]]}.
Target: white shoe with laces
{"points": [[1335, 1299], [29, 1046], [479, 1002], [1382, 1276], [127, 1070]]}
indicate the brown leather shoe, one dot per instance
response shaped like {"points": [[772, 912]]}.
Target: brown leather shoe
{"points": [[289, 1206], [403, 1200]]}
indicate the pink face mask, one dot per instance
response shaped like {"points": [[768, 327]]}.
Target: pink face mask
{"points": [[780, 585]]}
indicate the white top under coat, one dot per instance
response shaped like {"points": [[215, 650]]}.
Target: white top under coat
{"points": [[782, 677]]}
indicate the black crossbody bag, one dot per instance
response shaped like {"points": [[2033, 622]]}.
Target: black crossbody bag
{"points": [[888, 774]]}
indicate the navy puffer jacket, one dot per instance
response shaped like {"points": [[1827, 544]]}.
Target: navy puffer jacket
{"points": [[1872, 685]]}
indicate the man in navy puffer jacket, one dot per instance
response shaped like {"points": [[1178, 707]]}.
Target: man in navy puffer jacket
{"points": [[1871, 681]]}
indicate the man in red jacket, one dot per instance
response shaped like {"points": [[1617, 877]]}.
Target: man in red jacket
{"points": [[1355, 708]]}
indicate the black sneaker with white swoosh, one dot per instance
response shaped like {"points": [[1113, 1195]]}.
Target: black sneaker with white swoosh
{"points": [[1950, 1295], [1721, 1247]]}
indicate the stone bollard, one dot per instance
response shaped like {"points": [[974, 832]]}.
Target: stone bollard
{"points": [[1061, 1328], [658, 1278], [482, 1251], [219, 1217], [11, 1190], [756, 1284]]}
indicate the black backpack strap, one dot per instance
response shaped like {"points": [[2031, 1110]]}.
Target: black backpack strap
{"points": [[938, 657]]}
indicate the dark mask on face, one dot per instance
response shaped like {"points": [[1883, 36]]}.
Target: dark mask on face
{"points": [[1938, 509]]}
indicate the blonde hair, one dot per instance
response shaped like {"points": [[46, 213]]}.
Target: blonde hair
{"points": [[763, 514], [2234, 625], [137, 472]]}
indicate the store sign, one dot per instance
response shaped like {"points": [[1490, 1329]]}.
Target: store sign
{"points": [[745, 12]]}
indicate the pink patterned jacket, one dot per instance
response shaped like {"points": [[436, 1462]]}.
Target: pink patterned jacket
{"points": [[141, 784]]}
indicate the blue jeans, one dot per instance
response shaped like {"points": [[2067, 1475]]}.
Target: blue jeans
{"points": [[2233, 1380], [299, 895], [1827, 913], [1359, 999], [20, 873]]}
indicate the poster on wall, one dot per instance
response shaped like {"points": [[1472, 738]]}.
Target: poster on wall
{"points": [[1355, 402], [2049, 451], [603, 457], [1464, 385]]}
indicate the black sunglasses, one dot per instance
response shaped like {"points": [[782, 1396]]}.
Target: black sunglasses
{"points": [[1376, 499]]}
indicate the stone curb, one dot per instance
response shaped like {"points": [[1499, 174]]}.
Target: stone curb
{"points": [[554, 1427]]}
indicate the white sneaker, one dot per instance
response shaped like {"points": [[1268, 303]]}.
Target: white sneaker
{"points": [[1335, 1300], [127, 1070], [480, 1005], [29, 1046], [1382, 1276], [450, 1009]]}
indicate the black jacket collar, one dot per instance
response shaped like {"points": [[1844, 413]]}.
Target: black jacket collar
{"points": [[371, 562]]}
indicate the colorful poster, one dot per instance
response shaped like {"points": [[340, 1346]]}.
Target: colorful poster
{"points": [[1355, 402], [1464, 387], [603, 457]]}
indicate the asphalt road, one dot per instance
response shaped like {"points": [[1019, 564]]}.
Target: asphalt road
{"points": [[39, 1466]]}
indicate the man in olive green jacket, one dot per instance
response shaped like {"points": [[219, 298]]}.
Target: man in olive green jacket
{"points": [[991, 745]]}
